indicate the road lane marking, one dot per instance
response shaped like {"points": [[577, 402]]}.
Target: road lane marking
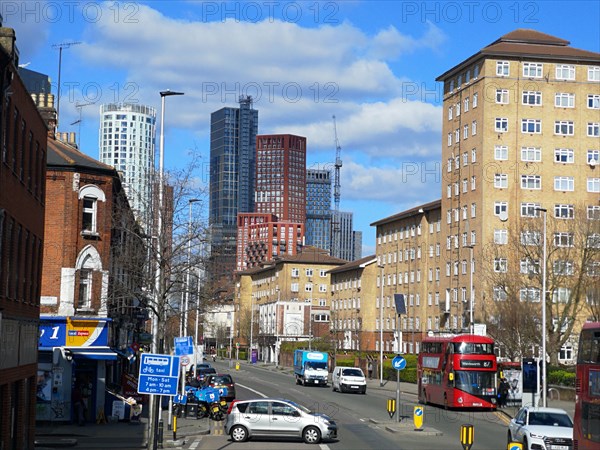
{"points": [[253, 390], [194, 444]]}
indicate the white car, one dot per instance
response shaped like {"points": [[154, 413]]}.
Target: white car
{"points": [[542, 429], [272, 417], [348, 379]]}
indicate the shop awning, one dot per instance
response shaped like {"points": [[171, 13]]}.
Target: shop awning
{"points": [[104, 353]]}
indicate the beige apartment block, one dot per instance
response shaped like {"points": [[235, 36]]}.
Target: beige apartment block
{"points": [[286, 299], [410, 258], [354, 323], [520, 143]]}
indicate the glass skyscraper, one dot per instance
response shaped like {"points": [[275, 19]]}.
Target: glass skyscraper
{"points": [[232, 179], [127, 143], [318, 208]]}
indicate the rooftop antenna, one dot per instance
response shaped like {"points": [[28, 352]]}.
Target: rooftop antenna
{"points": [[79, 106], [60, 49]]}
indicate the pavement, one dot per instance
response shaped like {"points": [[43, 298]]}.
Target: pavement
{"points": [[134, 435]]}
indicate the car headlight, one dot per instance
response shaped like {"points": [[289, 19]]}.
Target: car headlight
{"points": [[536, 436]]}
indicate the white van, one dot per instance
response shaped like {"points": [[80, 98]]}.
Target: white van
{"points": [[348, 379]]}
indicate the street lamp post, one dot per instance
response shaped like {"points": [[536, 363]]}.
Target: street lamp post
{"points": [[381, 328], [544, 382], [154, 410], [277, 326], [184, 324], [471, 324], [310, 315], [251, 324]]}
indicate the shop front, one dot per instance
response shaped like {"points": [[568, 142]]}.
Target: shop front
{"points": [[74, 360]]}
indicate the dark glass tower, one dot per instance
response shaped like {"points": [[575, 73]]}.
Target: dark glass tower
{"points": [[318, 208], [232, 171]]}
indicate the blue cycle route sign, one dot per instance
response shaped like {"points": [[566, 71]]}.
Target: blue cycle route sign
{"points": [[184, 346], [159, 374], [398, 362]]}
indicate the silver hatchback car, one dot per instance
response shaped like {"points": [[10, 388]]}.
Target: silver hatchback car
{"points": [[267, 417]]}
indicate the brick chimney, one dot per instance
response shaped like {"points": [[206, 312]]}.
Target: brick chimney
{"points": [[8, 40]]}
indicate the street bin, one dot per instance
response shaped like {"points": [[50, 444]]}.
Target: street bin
{"points": [[191, 411]]}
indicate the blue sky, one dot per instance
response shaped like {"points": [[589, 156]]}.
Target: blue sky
{"points": [[372, 64]]}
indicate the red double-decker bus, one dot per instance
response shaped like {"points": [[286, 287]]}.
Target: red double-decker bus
{"points": [[458, 372], [586, 428]]}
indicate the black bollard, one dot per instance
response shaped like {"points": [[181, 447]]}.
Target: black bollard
{"points": [[160, 433]]}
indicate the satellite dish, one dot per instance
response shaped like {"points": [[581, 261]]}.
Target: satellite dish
{"points": [[503, 216], [592, 162]]}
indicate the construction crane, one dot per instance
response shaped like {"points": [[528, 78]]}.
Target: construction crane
{"points": [[335, 223]]}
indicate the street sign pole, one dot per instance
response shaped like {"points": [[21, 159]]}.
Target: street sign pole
{"points": [[398, 363]]}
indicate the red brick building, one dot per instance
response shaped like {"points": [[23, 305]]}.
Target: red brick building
{"points": [[22, 175], [281, 176], [93, 258], [262, 237]]}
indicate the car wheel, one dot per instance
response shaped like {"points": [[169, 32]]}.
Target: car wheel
{"points": [[239, 433], [333, 387], [508, 438], [525, 444], [311, 435]]}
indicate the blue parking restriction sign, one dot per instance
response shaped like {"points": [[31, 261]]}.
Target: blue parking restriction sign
{"points": [[184, 346], [159, 374], [398, 362], [515, 446]]}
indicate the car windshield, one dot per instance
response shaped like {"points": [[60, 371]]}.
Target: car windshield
{"points": [[352, 373], [206, 370], [316, 365], [475, 382], [223, 379], [552, 419], [300, 407]]}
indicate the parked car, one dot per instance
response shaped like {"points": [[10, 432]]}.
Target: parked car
{"points": [[348, 379], [221, 380], [542, 428], [267, 417], [202, 372]]}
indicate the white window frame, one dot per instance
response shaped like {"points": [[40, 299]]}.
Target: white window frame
{"points": [[501, 125], [533, 182], [564, 127], [500, 208], [564, 155], [564, 211], [502, 68], [564, 100], [501, 180], [529, 294], [593, 155], [531, 98], [593, 184], [564, 184], [593, 129], [593, 73], [533, 70], [593, 101], [500, 265], [473, 128], [500, 152], [531, 154], [563, 239], [475, 98], [531, 126], [502, 96], [565, 72], [593, 212], [530, 209]]}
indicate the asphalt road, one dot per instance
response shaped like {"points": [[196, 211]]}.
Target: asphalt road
{"points": [[362, 420]]}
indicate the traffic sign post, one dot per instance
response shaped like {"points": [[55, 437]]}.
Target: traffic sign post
{"points": [[418, 417], [159, 374], [184, 346], [467, 436], [391, 407], [398, 363]]}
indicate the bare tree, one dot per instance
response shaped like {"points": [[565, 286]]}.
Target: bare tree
{"points": [[515, 276]]}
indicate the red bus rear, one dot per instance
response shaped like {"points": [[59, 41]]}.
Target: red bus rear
{"points": [[586, 428], [458, 372]]}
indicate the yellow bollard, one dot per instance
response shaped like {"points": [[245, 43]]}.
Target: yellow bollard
{"points": [[237, 366]]}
